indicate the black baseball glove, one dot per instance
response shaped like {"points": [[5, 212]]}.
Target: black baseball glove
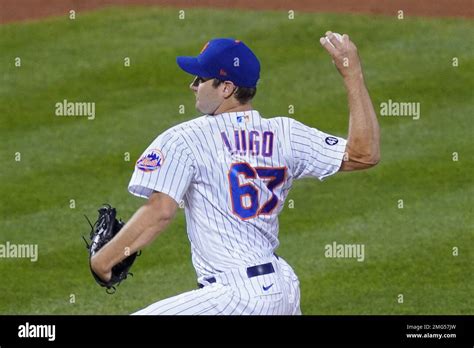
{"points": [[102, 232]]}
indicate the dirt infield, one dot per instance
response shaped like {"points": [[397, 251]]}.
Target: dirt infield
{"points": [[15, 10]]}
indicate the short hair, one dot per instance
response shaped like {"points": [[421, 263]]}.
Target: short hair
{"points": [[242, 94]]}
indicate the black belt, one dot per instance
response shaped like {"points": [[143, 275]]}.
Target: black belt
{"points": [[253, 271]]}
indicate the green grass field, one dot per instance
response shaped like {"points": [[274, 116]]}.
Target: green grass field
{"points": [[408, 251]]}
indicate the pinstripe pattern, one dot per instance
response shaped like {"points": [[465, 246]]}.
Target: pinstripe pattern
{"points": [[196, 157], [235, 293]]}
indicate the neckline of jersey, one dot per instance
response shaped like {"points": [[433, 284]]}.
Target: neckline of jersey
{"points": [[253, 113]]}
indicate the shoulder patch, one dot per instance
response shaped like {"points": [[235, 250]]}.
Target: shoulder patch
{"points": [[331, 141], [151, 160]]}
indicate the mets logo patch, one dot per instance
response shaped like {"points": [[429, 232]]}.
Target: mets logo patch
{"points": [[151, 161], [331, 141]]}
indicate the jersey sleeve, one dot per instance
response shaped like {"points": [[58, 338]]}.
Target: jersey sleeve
{"points": [[166, 166], [315, 153]]}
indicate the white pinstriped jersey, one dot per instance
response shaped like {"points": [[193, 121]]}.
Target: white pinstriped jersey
{"points": [[234, 171]]}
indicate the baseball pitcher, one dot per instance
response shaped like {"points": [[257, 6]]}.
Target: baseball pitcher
{"points": [[233, 169]]}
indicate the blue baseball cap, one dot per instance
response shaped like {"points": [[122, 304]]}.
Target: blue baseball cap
{"points": [[224, 59]]}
